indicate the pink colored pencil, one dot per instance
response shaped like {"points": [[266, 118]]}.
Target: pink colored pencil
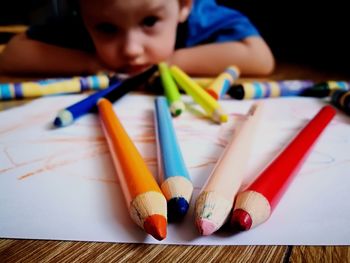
{"points": [[214, 203]]}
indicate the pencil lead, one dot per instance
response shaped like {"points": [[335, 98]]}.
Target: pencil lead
{"points": [[63, 118], [177, 208], [176, 112], [241, 220], [156, 225], [206, 227], [57, 122]]}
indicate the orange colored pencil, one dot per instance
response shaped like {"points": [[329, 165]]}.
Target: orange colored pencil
{"points": [[147, 205]]}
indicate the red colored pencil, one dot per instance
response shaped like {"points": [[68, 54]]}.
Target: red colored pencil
{"points": [[254, 205]]}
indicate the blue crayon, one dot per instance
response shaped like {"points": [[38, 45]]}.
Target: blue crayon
{"points": [[176, 183], [116, 90]]}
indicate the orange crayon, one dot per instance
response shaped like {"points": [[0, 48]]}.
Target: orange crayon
{"points": [[146, 203]]}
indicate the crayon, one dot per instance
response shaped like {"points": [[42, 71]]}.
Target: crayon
{"points": [[203, 82], [48, 87], [254, 205], [175, 180], [155, 85], [68, 115], [324, 89], [144, 199], [219, 87], [214, 203], [171, 91], [269, 89], [341, 99], [116, 90], [207, 102]]}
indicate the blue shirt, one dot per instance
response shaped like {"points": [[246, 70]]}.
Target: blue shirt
{"points": [[207, 23], [213, 23]]}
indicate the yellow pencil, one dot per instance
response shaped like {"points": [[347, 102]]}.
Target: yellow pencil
{"points": [[203, 82], [207, 102]]}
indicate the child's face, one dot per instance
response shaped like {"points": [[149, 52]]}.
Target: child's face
{"points": [[131, 35]]}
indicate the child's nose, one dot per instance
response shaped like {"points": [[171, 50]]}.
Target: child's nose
{"points": [[133, 46]]}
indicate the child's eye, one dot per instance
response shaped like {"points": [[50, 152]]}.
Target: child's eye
{"points": [[106, 28], [150, 21]]}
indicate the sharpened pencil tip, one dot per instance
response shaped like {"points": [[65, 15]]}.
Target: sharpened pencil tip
{"points": [[63, 118], [176, 108], [241, 220], [156, 226], [206, 227], [223, 118], [57, 122], [219, 116], [177, 208], [177, 112]]}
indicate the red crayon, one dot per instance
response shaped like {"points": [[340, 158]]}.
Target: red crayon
{"points": [[254, 205]]}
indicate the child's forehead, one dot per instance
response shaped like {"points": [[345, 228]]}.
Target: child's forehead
{"points": [[124, 5]]}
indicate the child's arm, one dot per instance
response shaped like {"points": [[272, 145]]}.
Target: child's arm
{"points": [[252, 55], [26, 56]]}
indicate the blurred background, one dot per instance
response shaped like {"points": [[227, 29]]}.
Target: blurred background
{"points": [[308, 32], [311, 32]]}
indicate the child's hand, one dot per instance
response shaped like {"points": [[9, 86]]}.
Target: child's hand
{"points": [[172, 60], [96, 66]]}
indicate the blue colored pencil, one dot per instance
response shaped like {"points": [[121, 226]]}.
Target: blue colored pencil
{"points": [[176, 183], [116, 90]]}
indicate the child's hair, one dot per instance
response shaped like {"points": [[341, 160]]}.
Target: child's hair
{"points": [[63, 8]]}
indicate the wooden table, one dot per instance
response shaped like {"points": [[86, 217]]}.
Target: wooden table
{"points": [[63, 251]]}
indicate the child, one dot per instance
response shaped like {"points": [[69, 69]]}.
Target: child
{"points": [[122, 36]]}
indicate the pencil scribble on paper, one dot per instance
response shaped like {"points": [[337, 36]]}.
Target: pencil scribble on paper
{"points": [[60, 174]]}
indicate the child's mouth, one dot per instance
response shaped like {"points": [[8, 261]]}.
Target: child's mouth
{"points": [[133, 70]]}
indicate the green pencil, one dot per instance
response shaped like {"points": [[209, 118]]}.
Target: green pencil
{"points": [[171, 91]]}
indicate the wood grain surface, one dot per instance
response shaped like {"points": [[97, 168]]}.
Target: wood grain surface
{"points": [[59, 251], [70, 251]]}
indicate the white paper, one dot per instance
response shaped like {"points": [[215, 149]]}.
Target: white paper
{"points": [[60, 184]]}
